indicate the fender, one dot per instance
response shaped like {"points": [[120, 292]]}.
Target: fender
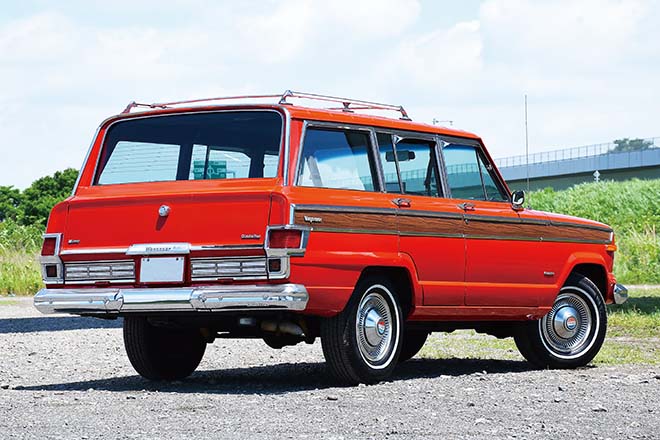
{"points": [[575, 259]]}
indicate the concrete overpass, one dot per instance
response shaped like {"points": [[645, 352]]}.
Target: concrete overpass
{"points": [[561, 169]]}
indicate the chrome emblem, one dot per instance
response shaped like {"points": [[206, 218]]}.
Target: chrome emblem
{"points": [[250, 236], [164, 211], [571, 323], [312, 219]]}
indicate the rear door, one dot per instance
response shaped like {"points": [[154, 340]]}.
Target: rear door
{"points": [[430, 226]]}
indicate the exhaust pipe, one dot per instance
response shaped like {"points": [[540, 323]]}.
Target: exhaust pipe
{"points": [[284, 327]]}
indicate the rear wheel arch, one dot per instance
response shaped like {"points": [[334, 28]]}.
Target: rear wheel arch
{"points": [[400, 278]]}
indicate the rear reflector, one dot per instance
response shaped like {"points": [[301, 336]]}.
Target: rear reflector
{"points": [[284, 239], [48, 248], [51, 271]]}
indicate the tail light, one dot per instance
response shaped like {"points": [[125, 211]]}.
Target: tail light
{"points": [[288, 240], [49, 247], [285, 239]]}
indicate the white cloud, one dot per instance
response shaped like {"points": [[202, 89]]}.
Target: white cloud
{"points": [[590, 67]]}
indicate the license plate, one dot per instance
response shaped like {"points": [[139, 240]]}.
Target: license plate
{"points": [[161, 270]]}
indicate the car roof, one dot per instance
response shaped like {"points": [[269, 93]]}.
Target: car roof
{"points": [[308, 113]]}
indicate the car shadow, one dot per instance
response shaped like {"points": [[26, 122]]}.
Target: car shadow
{"points": [[283, 378], [55, 324], [646, 305]]}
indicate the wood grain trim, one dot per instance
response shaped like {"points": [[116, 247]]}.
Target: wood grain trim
{"points": [[438, 224]]}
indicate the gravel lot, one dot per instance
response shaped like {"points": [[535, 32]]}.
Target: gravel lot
{"points": [[68, 377]]}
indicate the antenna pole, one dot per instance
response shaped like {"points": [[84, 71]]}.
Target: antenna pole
{"points": [[526, 145]]}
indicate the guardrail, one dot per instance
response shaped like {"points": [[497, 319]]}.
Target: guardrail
{"points": [[571, 153]]}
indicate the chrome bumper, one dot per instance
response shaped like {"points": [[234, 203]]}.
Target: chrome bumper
{"points": [[193, 299], [620, 294]]}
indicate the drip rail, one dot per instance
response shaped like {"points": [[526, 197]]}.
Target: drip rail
{"points": [[347, 104]]}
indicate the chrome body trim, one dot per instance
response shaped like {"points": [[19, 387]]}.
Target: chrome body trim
{"points": [[203, 247], [184, 299], [89, 272], [285, 144], [159, 249], [620, 293]]}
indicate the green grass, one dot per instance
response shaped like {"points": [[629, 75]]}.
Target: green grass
{"points": [[19, 265], [632, 208], [633, 336]]}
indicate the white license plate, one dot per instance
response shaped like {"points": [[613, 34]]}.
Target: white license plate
{"points": [[161, 270]]}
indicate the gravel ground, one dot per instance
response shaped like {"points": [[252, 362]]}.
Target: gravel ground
{"points": [[68, 377]]}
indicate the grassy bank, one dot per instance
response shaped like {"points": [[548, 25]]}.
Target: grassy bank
{"points": [[633, 336], [19, 266], [632, 208]]}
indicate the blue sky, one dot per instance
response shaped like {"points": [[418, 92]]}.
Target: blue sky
{"points": [[590, 67]]}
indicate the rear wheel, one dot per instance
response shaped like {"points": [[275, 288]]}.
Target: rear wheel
{"points": [[571, 334], [362, 343], [413, 341], [162, 353]]}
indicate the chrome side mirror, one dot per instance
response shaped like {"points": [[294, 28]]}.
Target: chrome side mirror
{"points": [[518, 200]]}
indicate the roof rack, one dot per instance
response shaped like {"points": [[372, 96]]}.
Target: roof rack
{"points": [[347, 105]]}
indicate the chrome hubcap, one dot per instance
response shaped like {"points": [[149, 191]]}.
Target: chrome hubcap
{"points": [[567, 329], [374, 328]]}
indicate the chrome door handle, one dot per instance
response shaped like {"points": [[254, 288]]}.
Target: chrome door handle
{"points": [[402, 203], [465, 206]]}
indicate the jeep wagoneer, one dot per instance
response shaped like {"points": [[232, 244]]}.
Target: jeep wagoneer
{"points": [[234, 218]]}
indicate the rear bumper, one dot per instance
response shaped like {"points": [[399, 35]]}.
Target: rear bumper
{"points": [[620, 294], [224, 298]]}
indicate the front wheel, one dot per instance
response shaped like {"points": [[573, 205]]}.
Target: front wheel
{"points": [[572, 333], [162, 353], [362, 343]]}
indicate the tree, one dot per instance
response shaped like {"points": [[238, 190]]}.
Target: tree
{"points": [[625, 144], [10, 200], [39, 198]]}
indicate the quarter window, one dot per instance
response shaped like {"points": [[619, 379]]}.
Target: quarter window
{"points": [[468, 176], [390, 167], [337, 159]]}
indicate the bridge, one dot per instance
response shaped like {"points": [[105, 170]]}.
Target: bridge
{"points": [[561, 169]]}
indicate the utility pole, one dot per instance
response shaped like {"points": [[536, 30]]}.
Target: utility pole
{"points": [[526, 144]]}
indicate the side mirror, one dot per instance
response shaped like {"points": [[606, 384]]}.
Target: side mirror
{"points": [[518, 200]]}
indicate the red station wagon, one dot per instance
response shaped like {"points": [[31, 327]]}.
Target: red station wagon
{"points": [[287, 223]]}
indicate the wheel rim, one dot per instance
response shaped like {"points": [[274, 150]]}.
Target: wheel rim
{"points": [[570, 328], [376, 327]]}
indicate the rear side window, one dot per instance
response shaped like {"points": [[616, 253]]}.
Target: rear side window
{"points": [[198, 146], [468, 175], [337, 159]]}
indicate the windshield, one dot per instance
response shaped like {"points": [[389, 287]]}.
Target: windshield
{"points": [[198, 146]]}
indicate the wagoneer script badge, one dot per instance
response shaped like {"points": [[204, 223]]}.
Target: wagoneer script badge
{"points": [[312, 219]]}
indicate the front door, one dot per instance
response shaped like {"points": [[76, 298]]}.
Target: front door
{"points": [[503, 252]]}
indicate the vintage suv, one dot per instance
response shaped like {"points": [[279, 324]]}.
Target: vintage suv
{"points": [[282, 222]]}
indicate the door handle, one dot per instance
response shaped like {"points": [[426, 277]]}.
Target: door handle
{"points": [[402, 203], [465, 206]]}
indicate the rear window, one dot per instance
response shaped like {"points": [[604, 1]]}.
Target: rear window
{"points": [[226, 145]]}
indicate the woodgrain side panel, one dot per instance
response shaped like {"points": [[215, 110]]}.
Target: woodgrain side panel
{"points": [[435, 224]]}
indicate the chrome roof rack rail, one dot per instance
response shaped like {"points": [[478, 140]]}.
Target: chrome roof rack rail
{"points": [[347, 105]]}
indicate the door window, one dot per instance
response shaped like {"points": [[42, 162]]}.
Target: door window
{"points": [[417, 167], [337, 159], [468, 175]]}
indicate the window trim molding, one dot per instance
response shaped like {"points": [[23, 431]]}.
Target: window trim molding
{"points": [[378, 178]]}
